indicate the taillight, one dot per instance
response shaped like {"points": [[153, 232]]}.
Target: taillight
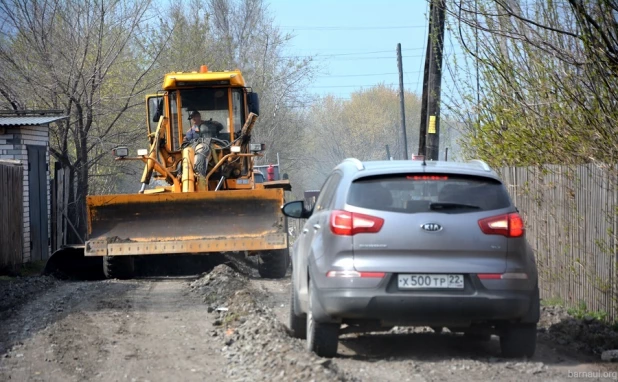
{"points": [[350, 223], [354, 274], [509, 225], [503, 276]]}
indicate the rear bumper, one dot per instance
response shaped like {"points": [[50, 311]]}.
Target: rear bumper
{"points": [[413, 308]]}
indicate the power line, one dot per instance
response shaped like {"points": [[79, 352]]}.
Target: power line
{"points": [[354, 75], [362, 75], [348, 28], [371, 58], [344, 54], [356, 86]]}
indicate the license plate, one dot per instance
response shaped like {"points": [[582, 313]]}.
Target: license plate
{"points": [[430, 281]]}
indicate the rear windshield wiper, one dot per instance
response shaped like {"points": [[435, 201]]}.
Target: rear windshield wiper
{"points": [[451, 206]]}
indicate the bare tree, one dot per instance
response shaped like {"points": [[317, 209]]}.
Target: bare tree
{"points": [[547, 78], [246, 37], [87, 58]]}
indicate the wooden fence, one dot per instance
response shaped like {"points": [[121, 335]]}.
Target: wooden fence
{"points": [[571, 221], [59, 206], [11, 215]]}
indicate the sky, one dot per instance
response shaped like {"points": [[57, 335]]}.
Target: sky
{"points": [[355, 42]]}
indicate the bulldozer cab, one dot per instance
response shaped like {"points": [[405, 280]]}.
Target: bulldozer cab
{"points": [[225, 105], [223, 112]]}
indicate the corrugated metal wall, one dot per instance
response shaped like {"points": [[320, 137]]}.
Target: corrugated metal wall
{"points": [[571, 221], [11, 216]]}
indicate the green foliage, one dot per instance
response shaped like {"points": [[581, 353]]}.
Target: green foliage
{"points": [[555, 301], [581, 312], [548, 90]]}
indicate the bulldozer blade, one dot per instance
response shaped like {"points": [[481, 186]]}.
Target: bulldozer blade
{"points": [[70, 263], [191, 223]]}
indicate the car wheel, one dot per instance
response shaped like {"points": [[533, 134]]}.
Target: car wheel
{"points": [[322, 338], [518, 340], [437, 329], [297, 324]]}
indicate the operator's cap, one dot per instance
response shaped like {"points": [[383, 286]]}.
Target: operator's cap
{"points": [[193, 113]]}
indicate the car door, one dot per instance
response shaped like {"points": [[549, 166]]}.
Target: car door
{"points": [[312, 226]]}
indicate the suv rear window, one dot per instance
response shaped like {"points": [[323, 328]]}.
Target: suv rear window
{"points": [[413, 193]]}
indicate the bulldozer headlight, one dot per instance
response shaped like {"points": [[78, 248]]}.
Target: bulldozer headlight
{"points": [[142, 152], [257, 147], [235, 149], [120, 152]]}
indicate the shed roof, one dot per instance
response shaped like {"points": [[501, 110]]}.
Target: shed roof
{"points": [[29, 121]]}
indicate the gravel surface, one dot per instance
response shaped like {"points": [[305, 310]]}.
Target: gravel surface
{"points": [[142, 330], [255, 342], [15, 291], [419, 354], [229, 325]]}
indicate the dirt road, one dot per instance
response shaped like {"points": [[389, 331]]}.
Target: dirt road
{"points": [[229, 326], [111, 331]]}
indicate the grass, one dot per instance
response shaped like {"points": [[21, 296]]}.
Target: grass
{"points": [[581, 312], [555, 301]]}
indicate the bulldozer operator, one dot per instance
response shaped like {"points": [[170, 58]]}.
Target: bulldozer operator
{"points": [[201, 129]]}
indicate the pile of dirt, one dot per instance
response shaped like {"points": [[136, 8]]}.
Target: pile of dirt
{"points": [[217, 286], [254, 341], [587, 335]]}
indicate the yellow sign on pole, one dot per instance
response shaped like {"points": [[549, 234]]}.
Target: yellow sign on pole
{"points": [[432, 125]]}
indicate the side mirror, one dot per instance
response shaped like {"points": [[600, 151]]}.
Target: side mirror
{"points": [[253, 103], [295, 209]]}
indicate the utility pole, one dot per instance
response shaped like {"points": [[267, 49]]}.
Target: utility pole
{"points": [[434, 78], [422, 143], [402, 103]]}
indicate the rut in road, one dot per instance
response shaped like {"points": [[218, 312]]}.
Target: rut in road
{"points": [[109, 331]]}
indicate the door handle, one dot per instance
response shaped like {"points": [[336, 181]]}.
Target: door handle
{"points": [[316, 226]]}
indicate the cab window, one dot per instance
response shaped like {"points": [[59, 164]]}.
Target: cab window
{"points": [[237, 109], [174, 121], [211, 104]]}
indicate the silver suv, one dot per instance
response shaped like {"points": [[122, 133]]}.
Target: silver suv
{"points": [[409, 243]]}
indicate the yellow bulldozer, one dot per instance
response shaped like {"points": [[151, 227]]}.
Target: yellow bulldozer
{"points": [[207, 201]]}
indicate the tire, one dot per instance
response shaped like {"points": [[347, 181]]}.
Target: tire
{"points": [[297, 324], [273, 264], [322, 338], [437, 329], [119, 267], [518, 340]]}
